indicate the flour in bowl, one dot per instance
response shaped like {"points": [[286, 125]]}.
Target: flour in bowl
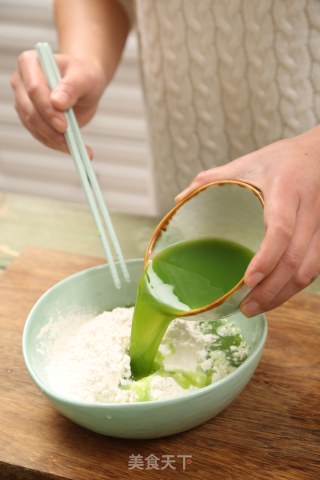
{"points": [[89, 361]]}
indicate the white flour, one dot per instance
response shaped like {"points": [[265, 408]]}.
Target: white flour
{"points": [[88, 361]]}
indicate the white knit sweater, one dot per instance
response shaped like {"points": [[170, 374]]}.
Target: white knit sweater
{"points": [[223, 78]]}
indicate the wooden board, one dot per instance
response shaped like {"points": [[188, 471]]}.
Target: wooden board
{"points": [[271, 431]]}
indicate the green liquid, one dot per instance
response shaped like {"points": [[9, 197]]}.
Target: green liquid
{"points": [[185, 276]]}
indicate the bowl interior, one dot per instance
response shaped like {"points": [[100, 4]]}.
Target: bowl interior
{"points": [[88, 292]]}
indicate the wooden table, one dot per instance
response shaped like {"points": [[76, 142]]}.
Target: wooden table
{"points": [[47, 223], [271, 431]]}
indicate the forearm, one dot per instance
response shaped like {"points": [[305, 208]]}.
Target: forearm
{"points": [[94, 31]]}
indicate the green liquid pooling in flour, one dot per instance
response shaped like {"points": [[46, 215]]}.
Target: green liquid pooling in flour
{"points": [[182, 277]]}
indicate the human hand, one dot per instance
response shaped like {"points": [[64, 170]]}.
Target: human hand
{"points": [[41, 111], [288, 174]]}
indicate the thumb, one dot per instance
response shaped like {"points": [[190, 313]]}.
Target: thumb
{"points": [[223, 172], [66, 94], [242, 169]]}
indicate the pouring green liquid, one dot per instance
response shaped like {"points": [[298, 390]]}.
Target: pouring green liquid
{"points": [[183, 277]]}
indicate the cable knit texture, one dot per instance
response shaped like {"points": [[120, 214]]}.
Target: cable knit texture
{"points": [[223, 78]]}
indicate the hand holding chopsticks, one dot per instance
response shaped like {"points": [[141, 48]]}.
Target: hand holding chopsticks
{"points": [[86, 173]]}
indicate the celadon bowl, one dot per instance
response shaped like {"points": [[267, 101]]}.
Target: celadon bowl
{"points": [[92, 291]]}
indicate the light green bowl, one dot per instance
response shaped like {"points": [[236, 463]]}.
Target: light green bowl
{"points": [[92, 291]]}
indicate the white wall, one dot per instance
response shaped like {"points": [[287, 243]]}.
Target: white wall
{"points": [[117, 134]]}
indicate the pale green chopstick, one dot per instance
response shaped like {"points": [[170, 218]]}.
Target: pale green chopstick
{"points": [[84, 167]]}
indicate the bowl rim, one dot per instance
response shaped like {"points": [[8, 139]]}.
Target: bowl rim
{"points": [[186, 396]]}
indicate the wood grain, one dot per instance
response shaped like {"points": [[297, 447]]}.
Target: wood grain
{"points": [[271, 431]]}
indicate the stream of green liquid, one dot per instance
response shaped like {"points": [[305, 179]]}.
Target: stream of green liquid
{"points": [[182, 277]]}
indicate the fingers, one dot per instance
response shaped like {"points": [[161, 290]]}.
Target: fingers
{"points": [[41, 114], [298, 267], [196, 183], [304, 276], [34, 122], [225, 172], [280, 214], [38, 91]]}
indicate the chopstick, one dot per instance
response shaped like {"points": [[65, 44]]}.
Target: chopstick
{"points": [[85, 170]]}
